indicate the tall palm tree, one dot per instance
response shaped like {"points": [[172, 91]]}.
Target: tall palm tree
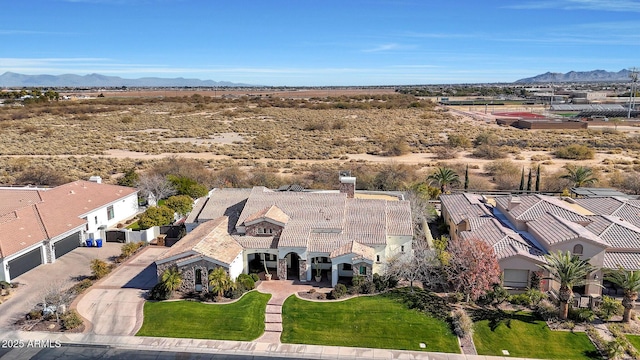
{"points": [[443, 177], [172, 279], [220, 281], [569, 270], [629, 281], [580, 176]]}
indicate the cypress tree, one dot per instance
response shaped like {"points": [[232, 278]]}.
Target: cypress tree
{"points": [[529, 181], [538, 178], [466, 178], [522, 180]]}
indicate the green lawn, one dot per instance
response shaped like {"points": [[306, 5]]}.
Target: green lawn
{"points": [[134, 226], [242, 320], [634, 340], [372, 321], [525, 336]]}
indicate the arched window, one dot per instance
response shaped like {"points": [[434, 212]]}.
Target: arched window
{"points": [[198, 276], [577, 249], [377, 258]]}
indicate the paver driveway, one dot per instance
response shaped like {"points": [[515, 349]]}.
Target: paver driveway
{"points": [[114, 305], [61, 273]]}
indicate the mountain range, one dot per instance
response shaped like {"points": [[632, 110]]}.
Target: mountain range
{"points": [[10, 79], [579, 76]]}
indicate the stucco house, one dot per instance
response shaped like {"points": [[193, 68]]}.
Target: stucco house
{"points": [[39, 225], [523, 228], [295, 233]]}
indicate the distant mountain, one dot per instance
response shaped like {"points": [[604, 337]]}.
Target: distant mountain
{"points": [[10, 79], [578, 76]]}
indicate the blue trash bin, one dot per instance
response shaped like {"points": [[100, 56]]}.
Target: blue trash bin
{"points": [[98, 242], [89, 243]]}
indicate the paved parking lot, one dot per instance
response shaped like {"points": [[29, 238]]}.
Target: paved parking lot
{"points": [[114, 305], [63, 272]]}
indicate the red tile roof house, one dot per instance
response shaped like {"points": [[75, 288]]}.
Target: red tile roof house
{"points": [[294, 232], [521, 229], [39, 225]]}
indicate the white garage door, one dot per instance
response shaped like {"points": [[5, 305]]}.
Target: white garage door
{"points": [[516, 278]]}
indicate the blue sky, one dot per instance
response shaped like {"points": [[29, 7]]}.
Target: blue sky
{"points": [[307, 43]]}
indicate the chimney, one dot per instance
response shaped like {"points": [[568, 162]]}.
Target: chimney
{"points": [[96, 179], [513, 202], [348, 185]]}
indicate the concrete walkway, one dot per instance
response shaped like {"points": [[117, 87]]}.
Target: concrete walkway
{"points": [[280, 290], [248, 349]]}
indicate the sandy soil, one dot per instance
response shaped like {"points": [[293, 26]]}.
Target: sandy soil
{"points": [[302, 93]]}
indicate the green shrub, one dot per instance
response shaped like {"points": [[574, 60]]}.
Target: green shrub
{"points": [[159, 292], [71, 320], [456, 140], [246, 282], [582, 315], [4, 285], [489, 152], [187, 186], [255, 277], [462, 323], [129, 249], [455, 298], [181, 204], [422, 300], [575, 152], [83, 285], [535, 296], [546, 310], [34, 315], [520, 299], [382, 283], [497, 295], [339, 291], [99, 268], [155, 216], [609, 307]]}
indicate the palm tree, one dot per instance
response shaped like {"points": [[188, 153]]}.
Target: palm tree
{"points": [[172, 279], [629, 281], [569, 270], [220, 281], [443, 177], [580, 176]]}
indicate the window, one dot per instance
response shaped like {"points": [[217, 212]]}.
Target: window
{"points": [[86, 226], [198, 276], [96, 220], [110, 214], [578, 249], [377, 258], [260, 230], [402, 248], [363, 270], [347, 267]]}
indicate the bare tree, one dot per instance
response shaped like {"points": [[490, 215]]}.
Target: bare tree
{"points": [[55, 296], [155, 185], [422, 212], [415, 265]]}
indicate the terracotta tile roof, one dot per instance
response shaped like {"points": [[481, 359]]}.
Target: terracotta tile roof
{"points": [[256, 242], [554, 229], [358, 250], [19, 230], [209, 239], [464, 206], [13, 199], [626, 260], [504, 241], [273, 213], [532, 207], [222, 202], [618, 233]]}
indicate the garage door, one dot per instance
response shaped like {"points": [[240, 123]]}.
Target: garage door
{"points": [[67, 244], [516, 278], [24, 263]]}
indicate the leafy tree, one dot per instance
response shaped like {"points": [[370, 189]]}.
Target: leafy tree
{"points": [[187, 186], [129, 179], [472, 267], [220, 281], [443, 177], [171, 279], [580, 176], [156, 216], [568, 270], [181, 204], [629, 281]]}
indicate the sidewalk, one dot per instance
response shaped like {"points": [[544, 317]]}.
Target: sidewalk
{"points": [[294, 351]]}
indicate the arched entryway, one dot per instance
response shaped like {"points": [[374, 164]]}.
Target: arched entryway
{"points": [[292, 267]]}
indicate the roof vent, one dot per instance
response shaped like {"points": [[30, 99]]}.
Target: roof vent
{"points": [[71, 192], [96, 179]]}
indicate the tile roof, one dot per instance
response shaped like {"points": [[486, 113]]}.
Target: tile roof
{"points": [[209, 239], [464, 206], [273, 213], [504, 241], [616, 232], [554, 229], [626, 260], [256, 242], [532, 207], [358, 250], [600, 205], [13, 199], [19, 230]]}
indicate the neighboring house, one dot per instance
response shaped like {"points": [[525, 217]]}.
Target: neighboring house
{"points": [[39, 225], [523, 228], [294, 233]]}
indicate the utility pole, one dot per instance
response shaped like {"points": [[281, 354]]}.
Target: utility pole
{"points": [[633, 74]]}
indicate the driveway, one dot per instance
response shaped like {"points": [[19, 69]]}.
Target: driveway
{"points": [[64, 272], [113, 306]]}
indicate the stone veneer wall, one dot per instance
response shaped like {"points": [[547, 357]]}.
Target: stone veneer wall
{"points": [[368, 270], [282, 269], [302, 273], [252, 230], [189, 274]]}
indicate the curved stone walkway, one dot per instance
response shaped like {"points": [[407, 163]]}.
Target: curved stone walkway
{"points": [[280, 290]]}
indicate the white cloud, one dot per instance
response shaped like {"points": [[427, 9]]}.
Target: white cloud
{"points": [[389, 47], [597, 5]]}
